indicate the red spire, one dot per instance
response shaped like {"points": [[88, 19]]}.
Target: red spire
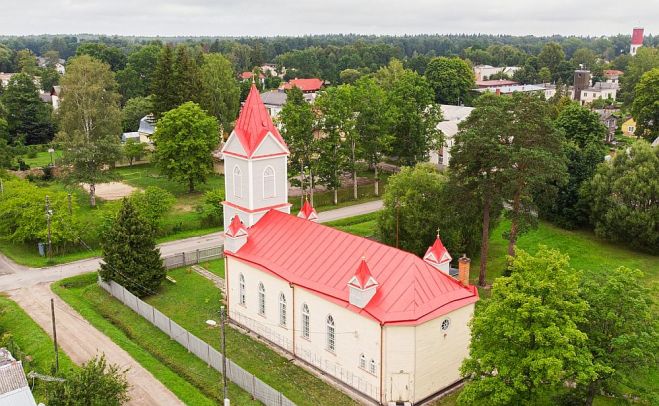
{"points": [[307, 211], [236, 228], [363, 277], [437, 252], [254, 123]]}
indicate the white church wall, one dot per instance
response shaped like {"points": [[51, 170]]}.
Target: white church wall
{"points": [[239, 196], [440, 353], [278, 164], [399, 357], [355, 335], [267, 325]]}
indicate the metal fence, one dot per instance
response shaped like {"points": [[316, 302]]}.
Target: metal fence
{"points": [[257, 388], [193, 257]]}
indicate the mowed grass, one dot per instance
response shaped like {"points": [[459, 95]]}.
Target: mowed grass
{"points": [[42, 159], [364, 225], [34, 342], [216, 266], [189, 378]]}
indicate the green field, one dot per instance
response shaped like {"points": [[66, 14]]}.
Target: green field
{"points": [[145, 341], [364, 225], [43, 159], [33, 342]]}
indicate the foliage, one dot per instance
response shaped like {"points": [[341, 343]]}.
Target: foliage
{"points": [[451, 78], [108, 54], [220, 90], [135, 80], [23, 215], [152, 204], [133, 111], [526, 342], [581, 125], [94, 383], [48, 77], [28, 118], [90, 121], [185, 137], [551, 56], [186, 77], [26, 61], [162, 83], [645, 107], [6, 151], [130, 256], [212, 209], [624, 197], [134, 150], [646, 59], [622, 331]]}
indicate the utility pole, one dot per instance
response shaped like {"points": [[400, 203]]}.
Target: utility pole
{"points": [[52, 312], [224, 356], [48, 214], [70, 205]]}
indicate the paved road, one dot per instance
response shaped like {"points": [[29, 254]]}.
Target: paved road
{"points": [[349, 211], [81, 342]]}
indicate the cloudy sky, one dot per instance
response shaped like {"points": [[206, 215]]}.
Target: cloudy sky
{"points": [[299, 17]]}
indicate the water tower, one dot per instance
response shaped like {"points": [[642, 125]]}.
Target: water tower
{"points": [[637, 40], [581, 82]]}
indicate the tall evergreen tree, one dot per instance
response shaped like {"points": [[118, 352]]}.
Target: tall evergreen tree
{"points": [[221, 93], [162, 82], [28, 118], [186, 77], [130, 256]]}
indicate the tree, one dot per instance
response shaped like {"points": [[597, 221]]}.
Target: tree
{"points": [[622, 342], [184, 139], [111, 55], [221, 93], [451, 78], [133, 150], [52, 58], [551, 56], [26, 61], [297, 121], [95, 383], [133, 111], [349, 76], [585, 57], [162, 84], [645, 108], [373, 124], [135, 80], [6, 152], [186, 77], [534, 160], [526, 342], [211, 209], [623, 196], [581, 125], [6, 59], [90, 121], [646, 59], [152, 204], [544, 75], [478, 154], [27, 116], [130, 256], [48, 77]]}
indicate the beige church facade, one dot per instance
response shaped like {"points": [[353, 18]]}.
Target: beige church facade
{"points": [[381, 321]]}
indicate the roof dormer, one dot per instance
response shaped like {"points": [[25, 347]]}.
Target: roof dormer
{"points": [[362, 285], [235, 236], [438, 256], [307, 212]]}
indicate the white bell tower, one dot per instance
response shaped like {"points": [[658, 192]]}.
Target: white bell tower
{"points": [[255, 165]]}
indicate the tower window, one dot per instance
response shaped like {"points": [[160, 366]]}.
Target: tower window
{"points": [[269, 183], [237, 182]]}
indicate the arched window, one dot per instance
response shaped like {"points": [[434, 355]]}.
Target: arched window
{"points": [[282, 309], [237, 182], [362, 361], [241, 295], [261, 299], [371, 366], [331, 343], [269, 183], [305, 321]]}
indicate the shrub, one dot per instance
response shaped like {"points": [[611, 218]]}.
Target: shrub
{"points": [[152, 204], [211, 210]]}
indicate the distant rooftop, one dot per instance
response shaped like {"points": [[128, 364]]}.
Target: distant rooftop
{"points": [[512, 89], [495, 83]]}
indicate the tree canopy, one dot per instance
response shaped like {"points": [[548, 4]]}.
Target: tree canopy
{"points": [[28, 118], [220, 90], [645, 108], [451, 78]]}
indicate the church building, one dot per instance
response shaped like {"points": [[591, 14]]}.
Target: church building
{"points": [[379, 320]]}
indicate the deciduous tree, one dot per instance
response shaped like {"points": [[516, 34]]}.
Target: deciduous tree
{"points": [[551, 56], [645, 108], [220, 90], [134, 110], [152, 204], [28, 118], [184, 139], [451, 78], [646, 59], [133, 150]]}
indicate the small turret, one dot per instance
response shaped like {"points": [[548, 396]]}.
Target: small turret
{"points": [[307, 212], [362, 285], [235, 236], [438, 256]]}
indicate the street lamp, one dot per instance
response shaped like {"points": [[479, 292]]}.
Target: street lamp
{"points": [[213, 323]]}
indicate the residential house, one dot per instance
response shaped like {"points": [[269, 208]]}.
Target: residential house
{"points": [[609, 117], [452, 115], [59, 65], [55, 95], [250, 76], [612, 75], [147, 126], [600, 90], [274, 101], [14, 388], [312, 85], [510, 89], [484, 72], [629, 127], [381, 321]]}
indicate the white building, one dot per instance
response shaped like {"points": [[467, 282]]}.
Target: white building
{"points": [[600, 90], [452, 115], [382, 321], [14, 388], [484, 72]]}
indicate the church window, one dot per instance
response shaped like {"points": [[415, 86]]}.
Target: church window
{"points": [[237, 182], [331, 343], [269, 183], [305, 321], [362, 361], [282, 309], [371, 366], [446, 323], [241, 295], [261, 299]]}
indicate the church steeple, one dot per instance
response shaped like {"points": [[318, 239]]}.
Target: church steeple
{"points": [[255, 165]]}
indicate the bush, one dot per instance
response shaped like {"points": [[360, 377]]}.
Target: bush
{"points": [[153, 204], [211, 210]]}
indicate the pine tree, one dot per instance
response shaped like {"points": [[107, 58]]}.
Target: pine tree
{"points": [[186, 77], [163, 87], [130, 256]]}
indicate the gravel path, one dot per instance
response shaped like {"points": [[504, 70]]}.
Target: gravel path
{"points": [[81, 342]]}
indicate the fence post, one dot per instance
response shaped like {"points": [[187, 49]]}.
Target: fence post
{"points": [[253, 386], [184, 262], [197, 255]]}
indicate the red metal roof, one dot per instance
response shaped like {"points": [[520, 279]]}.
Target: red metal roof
{"points": [[236, 228], [613, 72], [254, 123], [306, 85], [324, 259], [637, 36]]}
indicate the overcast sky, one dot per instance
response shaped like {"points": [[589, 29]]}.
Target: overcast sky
{"points": [[299, 17]]}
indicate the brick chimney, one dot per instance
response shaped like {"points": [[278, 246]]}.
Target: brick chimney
{"points": [[463, 269], [498, 92]]}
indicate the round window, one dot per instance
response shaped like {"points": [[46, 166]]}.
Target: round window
{"points": [[445, 324]]}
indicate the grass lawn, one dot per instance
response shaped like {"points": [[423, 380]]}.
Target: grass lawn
{"points": [[42, 159], [189, 378], [32, 341], [216, 266], [364, 225]]}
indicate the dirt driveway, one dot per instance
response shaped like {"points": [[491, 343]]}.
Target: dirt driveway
{"points": [[111, 190], [81, 341]]}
